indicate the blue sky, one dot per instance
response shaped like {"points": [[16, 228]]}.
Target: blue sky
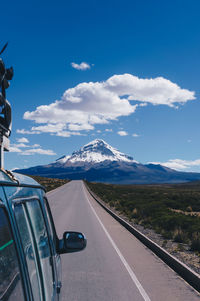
{"points": [[138, 89]]}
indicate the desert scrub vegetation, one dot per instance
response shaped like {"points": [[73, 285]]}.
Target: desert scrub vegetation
{"points": [[163, 208], [49, 183]]}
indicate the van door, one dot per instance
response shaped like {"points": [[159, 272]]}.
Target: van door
{"points": [[54, 240], [10, 276], [37, 249], [29, 251]]}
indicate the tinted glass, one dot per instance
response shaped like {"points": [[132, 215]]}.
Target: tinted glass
{"points": [[50, 222], [57, 261], [43, 247], [10, 280], [28, 246]]}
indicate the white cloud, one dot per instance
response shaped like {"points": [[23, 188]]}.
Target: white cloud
{"points": [[80, 127], [31, 149], [143, 104], [156, 91], [68, 134], [20, 145], [23, 131], [122, 133], [58, 129], [108, 130], [82, 66], [22, 140], [96, 106], [87, 104], [135, 135], [179, 164], [14, 149], [39, 151], [49, 128]]}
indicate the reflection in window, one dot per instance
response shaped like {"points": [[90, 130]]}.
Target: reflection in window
{"points": [[50, 222], [43, 247], [10, 282], [27, 243]]}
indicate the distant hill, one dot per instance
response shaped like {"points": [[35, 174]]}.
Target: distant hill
{"points": [[97, 161]]}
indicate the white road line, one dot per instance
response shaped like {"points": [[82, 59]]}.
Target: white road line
{"points": [[131, 273]]}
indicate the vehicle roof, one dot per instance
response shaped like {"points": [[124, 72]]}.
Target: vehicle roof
{"points": [[13, 178]]}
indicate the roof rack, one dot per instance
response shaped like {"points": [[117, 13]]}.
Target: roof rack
{"points": [[6, 74], [4, 144]]}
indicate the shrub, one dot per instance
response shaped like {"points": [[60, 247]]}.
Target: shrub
{"points": [[180, 247], [135, 213], [195, 242], [179, 236], [164, 243], [189, 209], [111, 204], [167, 234]]}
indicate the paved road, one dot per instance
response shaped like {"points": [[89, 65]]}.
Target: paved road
{"points": [[115, 266]]}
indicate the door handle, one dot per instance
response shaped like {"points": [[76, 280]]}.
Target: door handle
{"points": [[58, 287]]}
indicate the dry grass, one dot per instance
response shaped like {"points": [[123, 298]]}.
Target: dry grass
{"points": [[191, 213]]}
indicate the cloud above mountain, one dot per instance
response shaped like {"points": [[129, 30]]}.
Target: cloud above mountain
{"points": [[157, 91], [122, 133], [88, 104], [179, 164], [23, 140], [24, 148]]}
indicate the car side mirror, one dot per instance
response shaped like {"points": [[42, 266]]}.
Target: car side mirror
{"points": [[72, 242]]}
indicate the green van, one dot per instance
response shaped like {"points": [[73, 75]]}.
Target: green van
{"points": [[30, 266]]}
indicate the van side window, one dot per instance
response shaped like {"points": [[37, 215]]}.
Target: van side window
{"points": [[50, 222], [43, 246], [29, 252], [10, 279]]}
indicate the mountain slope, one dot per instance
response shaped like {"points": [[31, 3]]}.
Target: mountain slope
{"points": [[95, 152], [98, 161]]}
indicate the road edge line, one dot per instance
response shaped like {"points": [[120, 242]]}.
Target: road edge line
{"points": [[128, 268]]}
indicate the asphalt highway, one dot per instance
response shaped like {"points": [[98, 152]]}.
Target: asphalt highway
{"points": [[115, 266]]}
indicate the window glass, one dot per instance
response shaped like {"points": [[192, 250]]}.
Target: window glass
{"points": [[10, 280], [28, 246], [42, 244], [57, 261], [50, 222]]}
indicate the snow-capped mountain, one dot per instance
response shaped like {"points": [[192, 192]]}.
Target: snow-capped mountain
{"points": [[95, 152], [98, 161]]}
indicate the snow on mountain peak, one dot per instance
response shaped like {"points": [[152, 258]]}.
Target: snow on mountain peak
{"points": [[96, 151], [95, 142]]}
